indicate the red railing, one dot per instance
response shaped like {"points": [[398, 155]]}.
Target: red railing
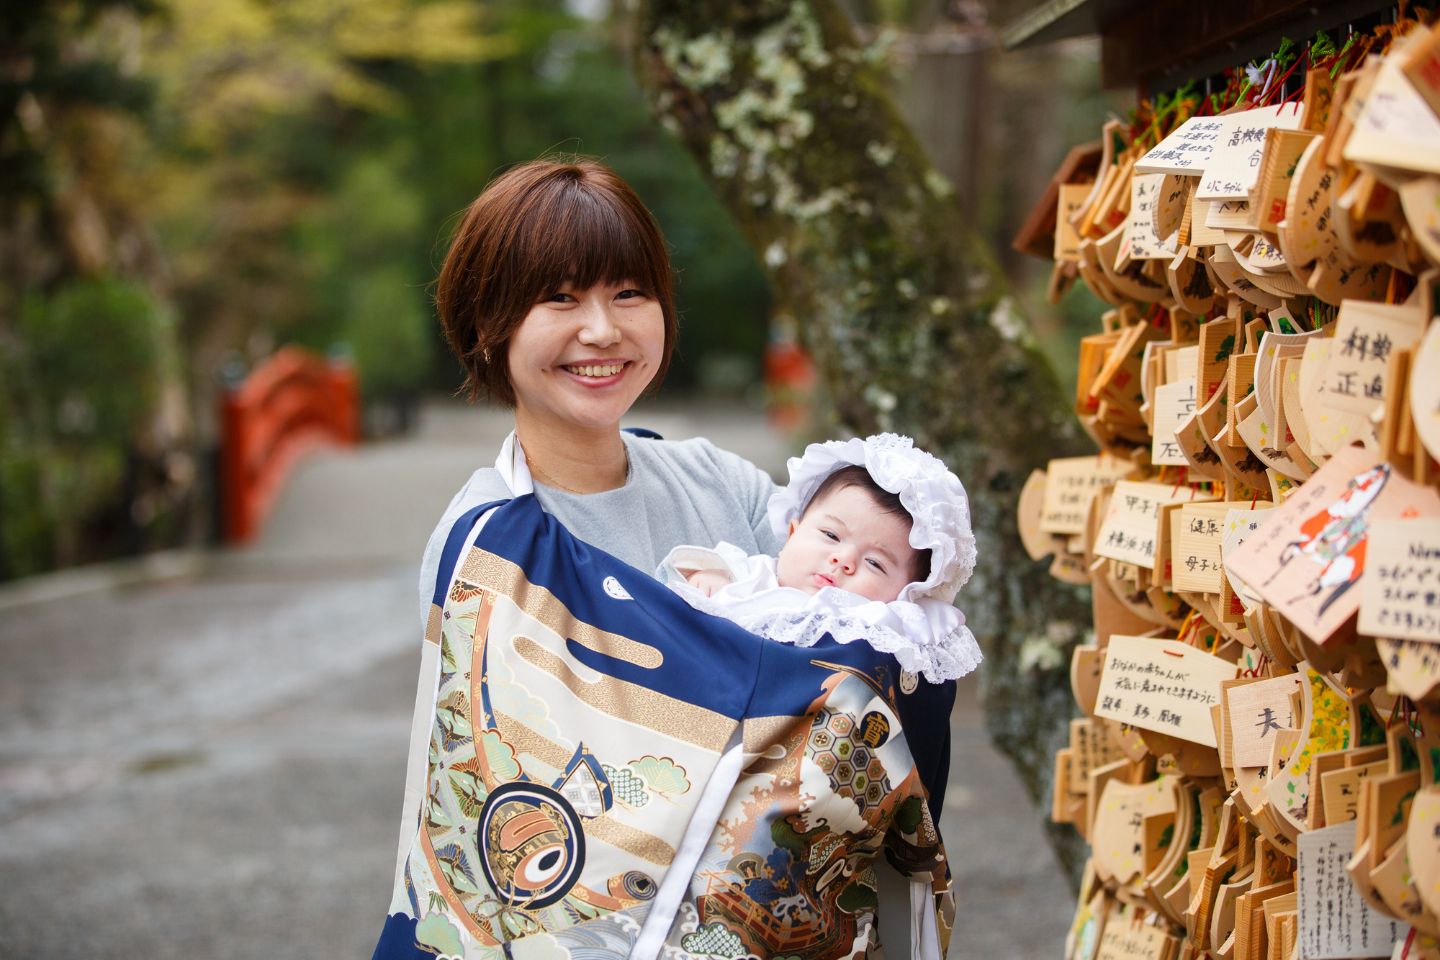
{"points": [[288, 405]]}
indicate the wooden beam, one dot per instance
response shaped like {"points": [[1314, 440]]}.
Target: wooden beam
{"points": [[1059, 20], [1164, 43]]}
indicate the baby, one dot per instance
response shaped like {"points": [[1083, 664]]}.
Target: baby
{"points": [[878, 542]]}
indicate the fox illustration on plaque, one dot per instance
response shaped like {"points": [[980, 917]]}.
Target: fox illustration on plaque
{"points": [[1334, 539]]}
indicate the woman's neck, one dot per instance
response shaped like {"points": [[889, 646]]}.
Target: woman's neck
{"points": [[571, 458]]}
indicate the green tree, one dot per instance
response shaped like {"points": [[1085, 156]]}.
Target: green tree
{"points": [[92, 439], [280, 212], [88, 371], [904, 313], [266, 173]]}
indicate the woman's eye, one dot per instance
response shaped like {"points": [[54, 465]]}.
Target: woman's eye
{"points": [[629, 294], [560, 298]]}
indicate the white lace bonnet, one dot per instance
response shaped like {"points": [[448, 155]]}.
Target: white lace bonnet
{"points": [[934, 497]]}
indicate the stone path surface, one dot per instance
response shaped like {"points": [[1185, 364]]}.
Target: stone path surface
{"points": [[211, 764]]}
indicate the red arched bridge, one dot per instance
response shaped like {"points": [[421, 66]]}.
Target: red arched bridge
{"points": [[289, 404]]}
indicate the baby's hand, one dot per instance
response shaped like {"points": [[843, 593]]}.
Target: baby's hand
{"points": [[707, 581]]}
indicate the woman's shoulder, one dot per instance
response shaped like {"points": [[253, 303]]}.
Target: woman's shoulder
{"points": [[483, 486], [697, 458]]}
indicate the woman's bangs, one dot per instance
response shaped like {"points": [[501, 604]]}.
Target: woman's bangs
{"points": [[599, 242]]}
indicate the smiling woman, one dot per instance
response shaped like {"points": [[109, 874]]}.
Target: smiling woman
{"points": [[556, 297], [579, 727], [538, 233]]}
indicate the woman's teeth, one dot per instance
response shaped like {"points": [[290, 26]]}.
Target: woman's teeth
{"points": [[597, 370]]}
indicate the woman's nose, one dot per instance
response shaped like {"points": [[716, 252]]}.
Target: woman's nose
{"points": [[598, 328]]}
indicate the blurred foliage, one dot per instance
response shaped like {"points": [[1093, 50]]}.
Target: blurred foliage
{"points": [[280, 204], [84, 374], [87, 350], [1077, 315], [63, 64], [310, 158], [208, 179], [1056, 102], [270, 172]]}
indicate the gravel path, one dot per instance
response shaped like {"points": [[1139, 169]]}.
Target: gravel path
{"points": [[210, 765]]}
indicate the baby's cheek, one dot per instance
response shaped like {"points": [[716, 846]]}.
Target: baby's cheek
{"points": [[885, 589], [784, 562], [798, 579]]}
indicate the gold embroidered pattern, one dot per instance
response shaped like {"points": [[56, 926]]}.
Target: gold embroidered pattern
{"points": [[761, 733], [535, 601], [777, 744], [635, 842], [432, 626], [478, 639], [627, 701], [526, 740]]}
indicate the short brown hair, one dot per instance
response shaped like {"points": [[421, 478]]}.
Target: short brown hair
{"points": [[857, 476], [537, 227]]}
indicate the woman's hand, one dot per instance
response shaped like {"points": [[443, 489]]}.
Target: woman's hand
{"points": [[707, 581]]}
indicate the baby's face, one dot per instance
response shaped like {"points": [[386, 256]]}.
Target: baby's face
{"points": [[847, 541]]}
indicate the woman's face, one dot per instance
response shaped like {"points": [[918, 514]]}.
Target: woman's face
{"points": [[580, 358]]}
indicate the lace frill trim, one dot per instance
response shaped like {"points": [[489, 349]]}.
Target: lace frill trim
{"points": [[943, 658], [946, 658]]}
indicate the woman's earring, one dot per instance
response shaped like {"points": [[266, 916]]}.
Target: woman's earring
{"points": [[485, 354]]}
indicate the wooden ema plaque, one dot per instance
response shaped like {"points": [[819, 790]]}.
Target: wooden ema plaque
{"points": [[1257, 764]]}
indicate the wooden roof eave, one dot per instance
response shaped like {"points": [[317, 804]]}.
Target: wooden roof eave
{"points": [[1162, 43]]}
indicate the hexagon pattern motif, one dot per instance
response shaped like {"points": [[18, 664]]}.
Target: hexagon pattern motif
{"points": [[834, 745]]}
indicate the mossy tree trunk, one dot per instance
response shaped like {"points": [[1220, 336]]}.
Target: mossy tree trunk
{"points": [[904, 313]]}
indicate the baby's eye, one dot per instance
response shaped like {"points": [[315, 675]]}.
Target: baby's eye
{"points": [[830, 535], [877, 565]]}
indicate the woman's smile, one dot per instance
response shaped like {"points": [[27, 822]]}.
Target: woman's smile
{"points": [[597, 373]]}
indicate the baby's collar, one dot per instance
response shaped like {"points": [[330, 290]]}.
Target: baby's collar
{"points": [[928, 637]]}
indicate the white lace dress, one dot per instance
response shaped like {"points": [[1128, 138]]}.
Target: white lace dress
{"points": [[928, 637]]}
